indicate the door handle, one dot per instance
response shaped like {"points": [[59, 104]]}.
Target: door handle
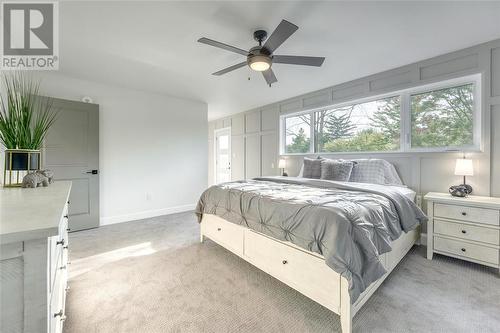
{"points": [[93, 172]]}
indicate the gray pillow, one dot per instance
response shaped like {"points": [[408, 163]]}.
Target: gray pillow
{"points": [[339, 170], [312, 168], [375, 171]]}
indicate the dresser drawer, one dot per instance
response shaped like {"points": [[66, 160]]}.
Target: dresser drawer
{"points": [[54, 260], [467, 231], [467, 250], [304, 272], [225, 233], [466, 213], [56, 304]]}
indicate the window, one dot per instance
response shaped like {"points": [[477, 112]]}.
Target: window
{"points": [[443, 118], [298, 134], [437, 117], [370, 126]]}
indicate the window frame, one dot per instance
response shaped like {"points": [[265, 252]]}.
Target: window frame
{"points": [[405, 118], [283, 132]]}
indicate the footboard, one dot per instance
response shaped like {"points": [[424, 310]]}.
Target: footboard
{"points": [[302, 270]]}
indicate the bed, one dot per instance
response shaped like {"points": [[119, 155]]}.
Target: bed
{"points": [[333, 241]]}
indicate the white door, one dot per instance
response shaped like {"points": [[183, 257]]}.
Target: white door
{"points": [[222, 155], [72, 153]]}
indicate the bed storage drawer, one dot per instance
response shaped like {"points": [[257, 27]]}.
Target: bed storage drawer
{"points": [[466, 213], [303, 271], [466, 250], [225, 233], [467, 231]]}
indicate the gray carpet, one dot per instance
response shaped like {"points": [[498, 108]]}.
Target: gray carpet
{"points": [[153, 276]]}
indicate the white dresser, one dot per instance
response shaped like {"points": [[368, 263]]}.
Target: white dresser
{"points": [[33, 258], [466, 228]]}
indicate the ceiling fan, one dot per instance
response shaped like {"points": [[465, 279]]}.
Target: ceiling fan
{"points": [[260, 58]]}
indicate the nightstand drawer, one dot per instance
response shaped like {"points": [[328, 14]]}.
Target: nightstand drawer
{"points": [[467, 231], [466, 250], [466, 213]]}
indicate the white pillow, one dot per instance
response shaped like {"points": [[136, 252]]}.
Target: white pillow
{"points": [[375, 171]]}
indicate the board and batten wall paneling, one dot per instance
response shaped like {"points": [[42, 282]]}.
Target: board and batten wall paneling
{"points": [[495, 151], [423, 172], [238, 125], [252, 122], [269, 119], [495, 72], [269, 154], [252, 156]]}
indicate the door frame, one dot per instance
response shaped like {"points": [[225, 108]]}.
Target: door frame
{"points": [[216, 132]]}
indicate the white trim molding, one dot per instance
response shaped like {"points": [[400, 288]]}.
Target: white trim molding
{"points": [[145, 214], [404, 96]]}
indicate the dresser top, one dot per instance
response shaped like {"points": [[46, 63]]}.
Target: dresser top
{"points": [[31, 213], [471, 200]]}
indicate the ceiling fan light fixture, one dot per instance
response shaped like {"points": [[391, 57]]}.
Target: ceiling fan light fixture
{"points": [[259, 63]]}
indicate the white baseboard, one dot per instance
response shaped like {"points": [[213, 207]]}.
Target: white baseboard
{"points": [[145, 214], [423, 239]]}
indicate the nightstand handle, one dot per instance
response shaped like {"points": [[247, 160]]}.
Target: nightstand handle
{"points": [[463, 249], [464, 213], [219, 229], [464, 231]]}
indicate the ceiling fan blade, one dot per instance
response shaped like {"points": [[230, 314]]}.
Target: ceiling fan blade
{"points": [[269, 76], [284, 30], [298, 60], [231, 68], [220, 45]]}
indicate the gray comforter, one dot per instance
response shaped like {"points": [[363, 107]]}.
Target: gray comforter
{"points": [[349, 224]]}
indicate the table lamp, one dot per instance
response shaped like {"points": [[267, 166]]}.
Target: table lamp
{"points": [[282, 166], [463, 167]]}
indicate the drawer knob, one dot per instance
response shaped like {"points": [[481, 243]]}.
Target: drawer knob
{"points": [[464, 231], [58, 314], [68, 229], [61, 242], [285, 262], [65, 247], [464, 213], [219, 229], [62, 267], [66, 217], [463, 249]]}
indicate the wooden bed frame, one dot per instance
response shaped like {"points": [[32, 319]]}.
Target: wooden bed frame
{"points": [[300, 269]]}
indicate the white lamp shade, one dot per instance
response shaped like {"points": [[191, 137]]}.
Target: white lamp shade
{"points": [[464, 167], [282, 164]]}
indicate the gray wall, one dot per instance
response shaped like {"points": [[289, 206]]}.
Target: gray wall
{"points": [[255, 132]]}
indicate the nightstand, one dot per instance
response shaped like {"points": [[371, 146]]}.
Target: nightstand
{"points": [[465, 228]]}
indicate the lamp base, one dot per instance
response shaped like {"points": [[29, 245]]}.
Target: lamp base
{"points": [[468, 188], [460, 191]]}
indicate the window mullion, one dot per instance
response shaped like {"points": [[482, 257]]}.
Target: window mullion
{"points": [[312, 132], [405, 122]]}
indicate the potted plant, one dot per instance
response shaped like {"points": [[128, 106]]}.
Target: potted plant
{"points": [[25, 119]]}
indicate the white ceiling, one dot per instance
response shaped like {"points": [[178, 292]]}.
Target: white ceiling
{"points": [[152, 46]]}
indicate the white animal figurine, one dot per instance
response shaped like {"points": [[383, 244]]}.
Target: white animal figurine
{"points": [[37, 178]]}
